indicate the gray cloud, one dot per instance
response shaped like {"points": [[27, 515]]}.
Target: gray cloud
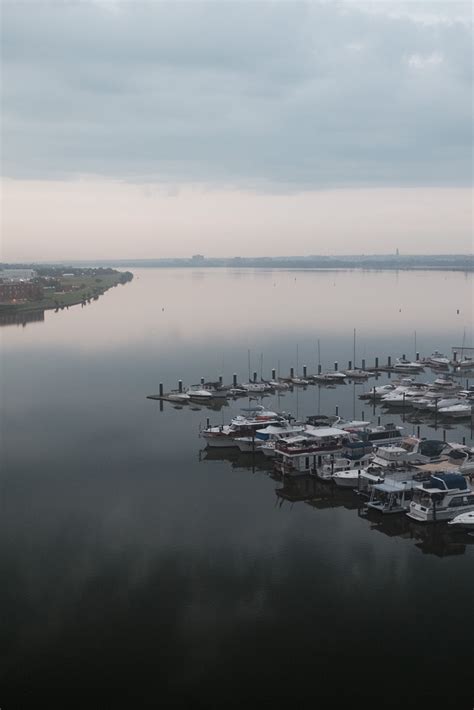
{"points": [[281, 95]]}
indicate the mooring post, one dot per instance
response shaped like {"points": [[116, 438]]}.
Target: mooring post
{"points": [[220, 380], [455, 356], [254, 376], [207, 423], [373, 397], [378, 421], [389, 361], [363, 415], [376, 363], [292, 372], [161, 389], [464, 441], [305, 370], [202, 380], [363, 364], [274, 374], [335, 367], [444, 434], [418, 431], [417, 356], [234, 379], [180, 385], [337, 411], [319, 369], [349, 365], [404, 356]]}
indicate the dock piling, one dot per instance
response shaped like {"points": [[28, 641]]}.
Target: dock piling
{"points": [[254, 376], [292, 372], [273, 374], [335, 367], [349, 365], [389, 361], [161, 389], [202, 380], [376, 363], [319, 369], [363, 364], [234, 379], [305, 370], [180, 386]]}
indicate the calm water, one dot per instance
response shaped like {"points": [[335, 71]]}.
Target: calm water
{"points": [[132, 560]]}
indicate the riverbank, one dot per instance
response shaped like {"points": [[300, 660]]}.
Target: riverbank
{"points": [[57, 291]]}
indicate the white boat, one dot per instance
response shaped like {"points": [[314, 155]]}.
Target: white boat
{"points": [[378, 392], [391, 496], [299, 381], [407, 366], [265, 437], [337, 464], [437, 360], [464, 521], [224, 436], [279, 385], [178, 397], [442, 497], [456, 411], [330, 377], [198, 393], [357, 374], [302, 454], [349, 478]]}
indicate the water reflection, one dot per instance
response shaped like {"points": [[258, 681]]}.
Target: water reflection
{"points": [[436, 539]]}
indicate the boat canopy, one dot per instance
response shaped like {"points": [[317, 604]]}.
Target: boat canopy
{"points": [[447, 482], [321, 432]]}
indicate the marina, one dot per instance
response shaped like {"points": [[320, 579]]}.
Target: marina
{"points": [[123, 526]]}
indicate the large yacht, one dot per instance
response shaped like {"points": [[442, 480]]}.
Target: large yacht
{"points": [[442, 497]]}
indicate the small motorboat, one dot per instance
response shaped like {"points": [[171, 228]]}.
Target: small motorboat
{"points": [[464, 521]]}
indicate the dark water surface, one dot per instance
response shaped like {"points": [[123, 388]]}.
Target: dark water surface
{"points": [[131, 560]]}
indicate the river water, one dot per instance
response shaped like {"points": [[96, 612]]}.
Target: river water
{"points": [[132, 559]]}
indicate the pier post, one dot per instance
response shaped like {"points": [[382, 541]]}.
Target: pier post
{"points": [[464, 441], [376, 363], [180, 385], [335, 367], [417, 356], [319, 369], [455, 356], [254, 376], [444, 434], [378, 421], [363, 415], [418, 431], [207, 423], [273, 374], [161, 389], [292, 372], [404, 357], [234, 379], [220, 380], [305, 370], [403, 397], [363, 364], [202, 380], [337, 411], [349, 365], [374, 396], [389, 361]]}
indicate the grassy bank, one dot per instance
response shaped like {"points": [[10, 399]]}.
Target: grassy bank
{"points": [[69, 291]]}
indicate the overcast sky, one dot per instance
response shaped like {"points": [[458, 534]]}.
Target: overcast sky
{"points": [[235, 128]]}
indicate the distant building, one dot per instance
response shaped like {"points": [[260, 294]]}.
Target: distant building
{"points": [[20, 291], [68, 274], [15, 275], [197, 258]]}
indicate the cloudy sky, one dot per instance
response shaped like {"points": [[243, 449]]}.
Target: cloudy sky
{"points": [[153, 129]]}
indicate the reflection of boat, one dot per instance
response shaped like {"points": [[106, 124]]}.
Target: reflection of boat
{"points": [[442, 497], [464, 521]]}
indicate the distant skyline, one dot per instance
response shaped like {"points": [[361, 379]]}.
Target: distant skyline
{"points": [[154, 130]]}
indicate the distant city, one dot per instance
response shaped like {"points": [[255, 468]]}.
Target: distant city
{"points": [[456, 262]]}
